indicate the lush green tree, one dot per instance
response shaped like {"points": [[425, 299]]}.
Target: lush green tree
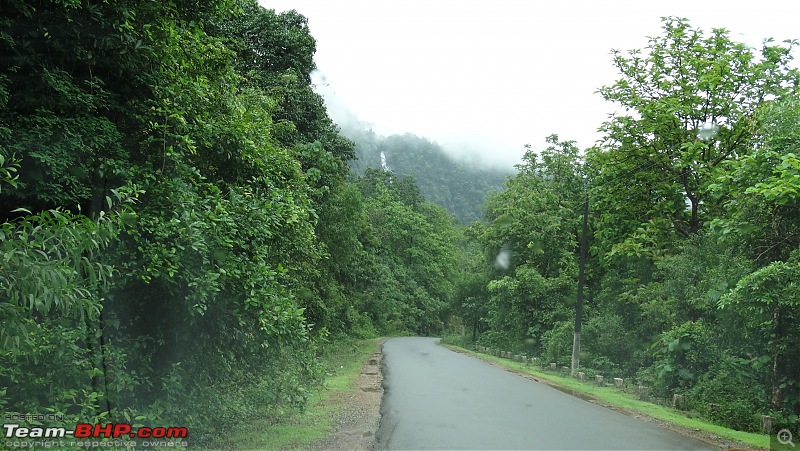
{"points": [[769, 299], [656, 162], [202, 314], [696, 144], [761, 192], [535, 224], [693, 219], [274, 52], [411, 246], [471, 296]]}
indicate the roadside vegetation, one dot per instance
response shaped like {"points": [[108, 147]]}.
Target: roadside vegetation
{"points": [[692, 207], [184, 234], [181, 238], [342, 362], [628, 400]]}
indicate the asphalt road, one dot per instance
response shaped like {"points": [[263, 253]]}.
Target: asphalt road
{"points": [[439, 399]]}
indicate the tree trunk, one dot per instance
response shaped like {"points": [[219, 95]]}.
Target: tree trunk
{"points": [[475, 330], [778, 366], [576, 352], [576, 340]]}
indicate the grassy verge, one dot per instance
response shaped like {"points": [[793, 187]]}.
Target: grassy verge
{"points": [[614, 397], [299, 430]]}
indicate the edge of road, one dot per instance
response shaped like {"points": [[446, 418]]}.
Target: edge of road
{"points": [[712, 435], [343, 413], [358, 407]]}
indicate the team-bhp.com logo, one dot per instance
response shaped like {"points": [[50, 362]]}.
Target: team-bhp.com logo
{"points": [[86, 430]]}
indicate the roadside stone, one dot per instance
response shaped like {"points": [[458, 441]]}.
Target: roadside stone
{"points": [[678, 401], [643, 393]]}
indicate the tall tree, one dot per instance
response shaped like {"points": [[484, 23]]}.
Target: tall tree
{"points": [[536, 221], [760, 193], [688, 103]]}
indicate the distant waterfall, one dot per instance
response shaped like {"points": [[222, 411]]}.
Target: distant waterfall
{"points": [[384, 166]]}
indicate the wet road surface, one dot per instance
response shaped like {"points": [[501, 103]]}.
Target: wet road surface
{"points": [[438, 399]]}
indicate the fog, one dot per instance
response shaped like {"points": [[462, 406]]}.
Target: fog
{"points": [[487, 77], [472, 146]]}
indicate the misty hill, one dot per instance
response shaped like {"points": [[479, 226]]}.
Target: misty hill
{"points": [[458, 186]]}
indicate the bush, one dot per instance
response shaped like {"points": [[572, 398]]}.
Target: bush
{"points": [[464, 341], [358, 323], [557, 343], [602, 365], [607, 346], [728, 395], [681, 356]]}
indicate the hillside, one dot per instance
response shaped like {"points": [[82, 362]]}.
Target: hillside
{"points": [[458, 186]]}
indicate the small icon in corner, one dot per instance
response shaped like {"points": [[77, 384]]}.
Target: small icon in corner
{"points": [[785, 437]]}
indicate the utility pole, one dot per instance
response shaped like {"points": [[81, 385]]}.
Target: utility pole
{"points": [[576, 340]]}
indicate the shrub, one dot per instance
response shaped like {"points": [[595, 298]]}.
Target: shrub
{"points": [[728, 395], [681, 356], [607, 345], [557, 343]]}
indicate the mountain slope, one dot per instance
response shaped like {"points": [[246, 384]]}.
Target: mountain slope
{"points": [[457, 186]]}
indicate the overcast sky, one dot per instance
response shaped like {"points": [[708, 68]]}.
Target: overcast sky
{"points": [[489, 76]]}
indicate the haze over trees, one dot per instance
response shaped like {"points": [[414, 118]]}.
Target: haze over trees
{"points": [[182, 235], [459, 186]]}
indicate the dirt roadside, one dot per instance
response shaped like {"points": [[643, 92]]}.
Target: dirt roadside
{"points": [[360, 414]]}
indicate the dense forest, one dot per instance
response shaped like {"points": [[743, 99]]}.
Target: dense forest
{"points": [[458, 185], [182, 234]]}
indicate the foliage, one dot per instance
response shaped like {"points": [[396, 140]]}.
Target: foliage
{"points": [[693, 232], [410, 245], [181, 235], [557, 343], [608, 344], [204, 301], [535, 221], [760, 190], [682, 354], [683, 83], [769, 299], [471, 291], [726, 395], [49, 267]]}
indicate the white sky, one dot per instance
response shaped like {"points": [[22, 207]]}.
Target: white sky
{"points": [[489, 76]]}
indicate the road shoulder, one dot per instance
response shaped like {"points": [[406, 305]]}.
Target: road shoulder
{"points": [[706, 437], [358, 408]]}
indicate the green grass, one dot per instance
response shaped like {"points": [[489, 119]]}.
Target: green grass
{"points": [[612, 396], [299, 430]]}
